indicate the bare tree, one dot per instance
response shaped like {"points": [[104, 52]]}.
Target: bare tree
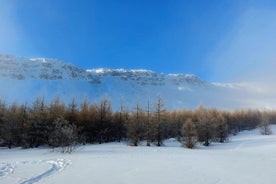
{"points": [[2, 122], [148, 136], [56, 109], [104, 112], [159, 121], [9, 130], [135, 127], [221, 127], [38, 123], [122, 120], [72, 111], [189, 133], [205, 126]]}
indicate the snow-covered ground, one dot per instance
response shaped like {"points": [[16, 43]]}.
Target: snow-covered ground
{"points": [[248, 158]]}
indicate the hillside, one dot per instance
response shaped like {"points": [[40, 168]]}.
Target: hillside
{"points": [[23, 79]]}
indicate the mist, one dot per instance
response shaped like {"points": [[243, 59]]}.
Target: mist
{"points": [[246, 56], [247, 52]]}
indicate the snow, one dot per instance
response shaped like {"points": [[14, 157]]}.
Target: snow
{"points": [[49, 78], [98, 71], [247, 158], [43, 60], [141, 71]]}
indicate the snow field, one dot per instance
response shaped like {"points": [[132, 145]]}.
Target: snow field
{"points": [[248, 158]]}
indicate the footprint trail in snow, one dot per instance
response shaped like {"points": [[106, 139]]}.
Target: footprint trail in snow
{"points": [[57, 165]]}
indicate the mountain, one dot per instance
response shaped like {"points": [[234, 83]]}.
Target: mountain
{"points": [[24, 79]]}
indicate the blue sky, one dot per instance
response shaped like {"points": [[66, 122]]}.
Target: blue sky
{"points": [[218, 40]]}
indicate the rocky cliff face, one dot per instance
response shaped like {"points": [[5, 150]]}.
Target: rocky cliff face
{"points": [[49, 69]]}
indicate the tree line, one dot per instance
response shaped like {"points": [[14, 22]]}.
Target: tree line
{"points": [[59, 125]]}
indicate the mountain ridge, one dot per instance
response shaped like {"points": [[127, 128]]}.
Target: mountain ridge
{"points": [[52, 69], [22, 79]]}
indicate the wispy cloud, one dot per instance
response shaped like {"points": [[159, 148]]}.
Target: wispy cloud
{"points": [[248, 51], [246, 57], [9, 31]]}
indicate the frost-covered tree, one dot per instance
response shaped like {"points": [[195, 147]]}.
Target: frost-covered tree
{"points": [[265, 128], [65, 135]]}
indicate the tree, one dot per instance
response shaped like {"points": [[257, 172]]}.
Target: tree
{"points": [[119, 121], [189, 133], [72, 113], [205, 126], [38, 125], [2, 122], [159, 121], [56, 109], [12, 125], [135, 127], [221, 127], [148, 136], [90, 128], [85, 121], [104, 116], [22, 119], [10, 129], [265, 128], [64, 135], [211, 126]]}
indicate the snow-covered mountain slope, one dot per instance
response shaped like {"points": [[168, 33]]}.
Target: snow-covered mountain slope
{"points": [[23, 79]]}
